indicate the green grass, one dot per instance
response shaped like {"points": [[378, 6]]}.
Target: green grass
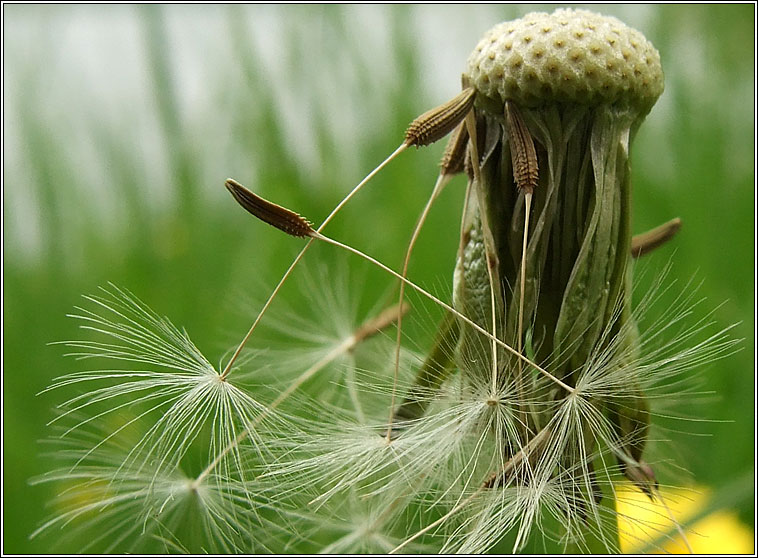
{"points": [[132, 191]]}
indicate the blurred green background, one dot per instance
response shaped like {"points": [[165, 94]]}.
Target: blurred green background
{"points": [[122, 122]]}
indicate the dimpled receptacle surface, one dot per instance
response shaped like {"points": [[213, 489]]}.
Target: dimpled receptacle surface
{"points": [[571, 56]]}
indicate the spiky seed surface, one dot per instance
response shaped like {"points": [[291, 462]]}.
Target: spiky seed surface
{"points": [[440, 121], [523, 155], [453, 159], [572, 56], [275, 215]]}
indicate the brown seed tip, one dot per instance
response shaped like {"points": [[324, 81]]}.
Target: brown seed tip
{"points": [[453, 160], [377, 323], [273, 214], [523, 153], [643, 477], [440, 121], [647, 242], [493, 481]]}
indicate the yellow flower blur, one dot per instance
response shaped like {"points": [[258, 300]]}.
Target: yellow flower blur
{"points": [[647, 526]]}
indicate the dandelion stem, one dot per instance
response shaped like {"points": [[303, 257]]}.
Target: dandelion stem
{"points": [[442, 181], [339, 206], [528, 200], [489, 248], [435, 368], [526, 176], [237, 352], [522, 295]]}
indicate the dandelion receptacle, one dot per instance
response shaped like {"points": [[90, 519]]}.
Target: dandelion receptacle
{"points": [[527, 409]]}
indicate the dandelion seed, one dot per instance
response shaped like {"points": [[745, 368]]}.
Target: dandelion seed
{"points": [[181, 387], [316, 235], [162, 411], [232, 185], [127, 505]]}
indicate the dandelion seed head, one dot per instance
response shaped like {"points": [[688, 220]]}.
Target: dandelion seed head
{"points": [[130, 437], [578, 56], [492, 443]]}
